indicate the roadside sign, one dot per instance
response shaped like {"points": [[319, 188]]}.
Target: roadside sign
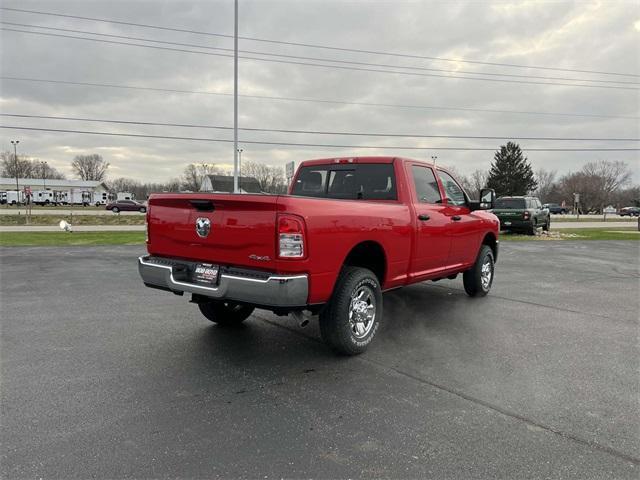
{"points": [[576, 198], [289, 169]]}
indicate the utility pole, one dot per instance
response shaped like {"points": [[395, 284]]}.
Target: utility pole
{"points": [[15, 159], [434, 158], [44, 174], [235, 99], [240, 150]]}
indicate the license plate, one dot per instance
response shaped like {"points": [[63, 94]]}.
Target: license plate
{"points": [[205, 273], [507, 223]]}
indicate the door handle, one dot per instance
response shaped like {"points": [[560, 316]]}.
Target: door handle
{"points": [[456, 218], [423, 217]]}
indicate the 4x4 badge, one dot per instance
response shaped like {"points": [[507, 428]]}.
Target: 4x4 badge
{"points": [[203, 226]]}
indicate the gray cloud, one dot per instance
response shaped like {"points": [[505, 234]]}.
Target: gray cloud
{"points": [[585, 35]]}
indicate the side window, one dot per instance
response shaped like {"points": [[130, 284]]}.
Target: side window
{"points": [[455, 194], [426, 185]]}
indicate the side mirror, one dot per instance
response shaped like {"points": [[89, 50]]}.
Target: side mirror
{"points": [[487, 200]]}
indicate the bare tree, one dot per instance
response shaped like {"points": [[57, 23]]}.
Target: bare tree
{"points": [[546, 184], [597, 183], [24, 166], [270, 178], [194, 174], [478, 181], [90, 167]]}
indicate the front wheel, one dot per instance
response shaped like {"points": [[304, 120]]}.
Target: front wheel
{"points": [[225, 313], [479, 278], [143, 209], [115, 209], [352, 317]]}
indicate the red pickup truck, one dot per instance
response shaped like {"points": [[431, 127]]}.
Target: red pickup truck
{"points": [[349, 229]]}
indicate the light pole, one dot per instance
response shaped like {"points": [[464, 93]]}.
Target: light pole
{"points": [[240, 150], [44, 174], [434, 158], [235, 98], [15, 159]]}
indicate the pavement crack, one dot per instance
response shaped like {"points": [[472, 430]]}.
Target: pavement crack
{"points": [[496, 408]]}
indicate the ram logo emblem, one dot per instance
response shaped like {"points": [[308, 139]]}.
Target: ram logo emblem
{"points": [[203, 227]]}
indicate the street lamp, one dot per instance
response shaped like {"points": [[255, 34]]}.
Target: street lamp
{"points": [[434, 158], [44, 176], [15, 159]]}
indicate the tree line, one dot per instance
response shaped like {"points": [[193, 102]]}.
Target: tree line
{"points": [[599, 183]]}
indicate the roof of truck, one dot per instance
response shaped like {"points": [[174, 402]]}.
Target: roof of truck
{"points": [[356, 159]]}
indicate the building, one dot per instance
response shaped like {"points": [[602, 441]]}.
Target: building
{"points": [[224, 183], [7, 183]]}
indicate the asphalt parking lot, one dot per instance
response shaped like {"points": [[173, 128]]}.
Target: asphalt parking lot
{"points": [[104, 378]]}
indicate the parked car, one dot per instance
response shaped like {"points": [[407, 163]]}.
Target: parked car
{"points": [[629, 211], [126, 206], [523, 214], [348, 230], [556, 209]]}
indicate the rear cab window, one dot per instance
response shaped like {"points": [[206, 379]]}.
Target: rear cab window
{"points": [[510, 204], [365, 181]]}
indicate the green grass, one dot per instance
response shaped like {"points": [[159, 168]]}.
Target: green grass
{"points": [[25, 239], [610, 218], [605, 233], [73, 219]]}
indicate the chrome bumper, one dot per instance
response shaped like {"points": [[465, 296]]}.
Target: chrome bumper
{"points": [[253, 287]]}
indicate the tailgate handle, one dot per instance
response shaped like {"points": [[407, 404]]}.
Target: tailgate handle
{"points": [[202, 205]]}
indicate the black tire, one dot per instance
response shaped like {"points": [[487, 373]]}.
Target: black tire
{"points": [[547, 225], [336, 326], [473, 278], [115, 209], [225, 313], [533, 228], [143, 210]]}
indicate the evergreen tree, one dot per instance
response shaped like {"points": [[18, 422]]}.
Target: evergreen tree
{"points": [[511, 172]]}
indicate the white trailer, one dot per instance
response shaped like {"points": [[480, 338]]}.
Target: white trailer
{"points": [[14, 197], [101, 198], [43, 197], [79, 197], [125, 196]]}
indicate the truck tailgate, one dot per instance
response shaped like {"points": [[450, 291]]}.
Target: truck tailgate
{"points": [[242, 228]]}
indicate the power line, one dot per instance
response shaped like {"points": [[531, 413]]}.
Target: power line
{"points": [[340, 67], [318, 59], [320, 132], [317, 100], [325, 47], [325, 145]]}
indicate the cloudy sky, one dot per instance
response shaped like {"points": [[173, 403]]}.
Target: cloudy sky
{"points": [[592, 36]]}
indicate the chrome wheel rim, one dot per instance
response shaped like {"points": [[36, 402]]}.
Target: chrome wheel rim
{"points": [[362, 311], [486, 273]]}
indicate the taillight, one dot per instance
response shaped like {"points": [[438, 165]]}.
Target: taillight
{"points": [[146, 226], [526, 215], [290, 237]]}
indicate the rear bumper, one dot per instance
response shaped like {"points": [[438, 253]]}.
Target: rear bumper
{"points": [[515, 224], [248, 286]]}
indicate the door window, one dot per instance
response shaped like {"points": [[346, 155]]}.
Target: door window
{"points": [[427, 190], [455, 194]]}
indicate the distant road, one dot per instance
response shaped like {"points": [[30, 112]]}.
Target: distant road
{"points": [[76, 228], [63, 211]]}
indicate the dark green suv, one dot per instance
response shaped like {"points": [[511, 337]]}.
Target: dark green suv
{"points": [[524, 214]]}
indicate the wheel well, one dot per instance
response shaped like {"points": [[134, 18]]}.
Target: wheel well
{"points": [[490, 239], [369, 255]]}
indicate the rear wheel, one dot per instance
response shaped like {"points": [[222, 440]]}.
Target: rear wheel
{"points": [[533, 228], [225, 313], [478, 279], [352, 317], [115, 209], [547, 225], [143, 210]]}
